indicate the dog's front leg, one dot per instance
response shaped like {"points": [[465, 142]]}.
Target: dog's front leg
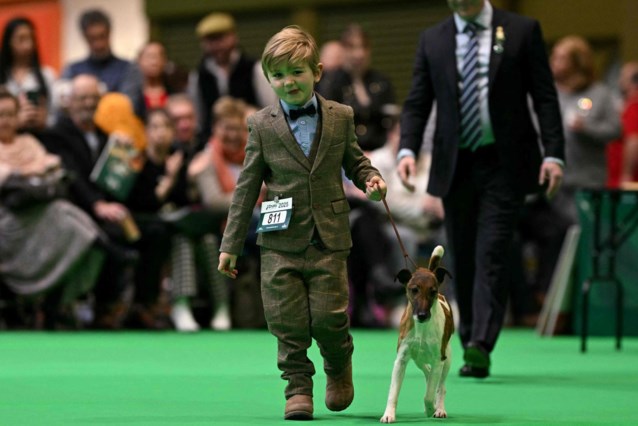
{"points": [[398, 373], [440, 394], [432, 379]]}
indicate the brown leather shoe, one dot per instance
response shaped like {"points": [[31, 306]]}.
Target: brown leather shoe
{"points": [[340, 390], [299, 407]]}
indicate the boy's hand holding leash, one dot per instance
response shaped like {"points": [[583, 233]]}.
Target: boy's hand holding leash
{"points": [[227, 263], [376, 189]]}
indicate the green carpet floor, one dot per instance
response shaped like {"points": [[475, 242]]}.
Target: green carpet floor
{"points": [[231, 379]]}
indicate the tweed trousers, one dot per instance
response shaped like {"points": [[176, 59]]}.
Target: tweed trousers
{"points": [[305, 296]]}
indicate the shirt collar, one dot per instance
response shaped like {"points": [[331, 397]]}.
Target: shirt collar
{"points": [[286, 107], [484, 18], [234, 59]]}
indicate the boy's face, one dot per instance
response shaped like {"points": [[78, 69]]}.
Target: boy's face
{"points": [[293, 83]]}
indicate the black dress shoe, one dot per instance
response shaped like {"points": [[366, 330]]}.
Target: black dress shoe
{"points": [[477, 362], [476, 356], [476, 372]]}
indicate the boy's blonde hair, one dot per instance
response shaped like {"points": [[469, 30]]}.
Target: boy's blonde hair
{"points": [[293, 45]]}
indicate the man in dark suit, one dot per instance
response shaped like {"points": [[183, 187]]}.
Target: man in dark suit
{"points": [[482, 66]]}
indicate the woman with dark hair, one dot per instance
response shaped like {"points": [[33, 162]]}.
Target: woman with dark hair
{"points": [[23, 75], [161, 76]]}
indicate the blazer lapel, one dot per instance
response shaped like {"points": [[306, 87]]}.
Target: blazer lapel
{"points": [[496, 56], [327, 123], [449, 56], [281, 127]]}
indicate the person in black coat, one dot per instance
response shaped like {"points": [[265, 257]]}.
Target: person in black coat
{"points": [[79, 142], [486, 154]]}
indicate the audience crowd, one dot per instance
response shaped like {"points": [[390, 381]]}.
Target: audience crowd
{"points": [[116, 178]]}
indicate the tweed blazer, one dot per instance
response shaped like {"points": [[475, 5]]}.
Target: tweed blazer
{"points": [[274, 157]]}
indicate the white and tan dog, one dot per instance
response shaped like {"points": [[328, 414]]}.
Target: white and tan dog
{"points": [[426, 327]]}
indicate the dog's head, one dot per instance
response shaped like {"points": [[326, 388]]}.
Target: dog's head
{"points": [[422, 287]]}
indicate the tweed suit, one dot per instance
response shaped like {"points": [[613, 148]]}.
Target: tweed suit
{"points": [[304, 283]]}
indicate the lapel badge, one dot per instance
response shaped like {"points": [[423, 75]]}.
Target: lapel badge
{"points": [[499, 40]]}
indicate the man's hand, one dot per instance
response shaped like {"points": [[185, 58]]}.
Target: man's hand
{"points": [[227, 263], [406, 169], [376, 189], [552, 173], [110, 212]]}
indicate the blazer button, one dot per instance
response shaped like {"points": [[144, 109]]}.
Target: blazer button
{"points": [[313, 178]]}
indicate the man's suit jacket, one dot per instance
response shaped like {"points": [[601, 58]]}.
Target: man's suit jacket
{"points": [[67, 140], [521, 69], [273, 156]]}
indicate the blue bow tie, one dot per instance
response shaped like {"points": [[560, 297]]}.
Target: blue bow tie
{"points": [[310, 110]]}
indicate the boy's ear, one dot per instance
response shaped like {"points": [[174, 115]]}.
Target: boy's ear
{"points": [[319, 72]]}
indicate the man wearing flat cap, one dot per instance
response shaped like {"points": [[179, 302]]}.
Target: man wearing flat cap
{"points": [[224, 70]]}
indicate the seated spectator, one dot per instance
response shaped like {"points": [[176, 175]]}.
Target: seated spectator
{"points": [[48, 247], [216, 168], [24, 76], [79, 142], [193, 249], [114, 115], [368, 92], [117, 74], [148, 196], [215, 171]]}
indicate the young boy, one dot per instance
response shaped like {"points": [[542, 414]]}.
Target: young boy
{"points": [[299, 154]]}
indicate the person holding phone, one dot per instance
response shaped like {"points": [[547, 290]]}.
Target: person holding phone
{"points": [[24, 76]]}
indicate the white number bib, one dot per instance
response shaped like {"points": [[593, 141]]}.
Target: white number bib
{"points": [[275, 215]]}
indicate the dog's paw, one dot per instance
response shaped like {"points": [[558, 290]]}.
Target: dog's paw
{"points": [[388, 417], [440, 414], [429, 409]]}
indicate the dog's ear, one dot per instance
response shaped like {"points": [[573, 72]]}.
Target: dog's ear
{"points": [[440, 274], [403, 276], [435, 259]]}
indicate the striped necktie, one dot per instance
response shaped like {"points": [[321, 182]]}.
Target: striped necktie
{"points": [[470, 105]]}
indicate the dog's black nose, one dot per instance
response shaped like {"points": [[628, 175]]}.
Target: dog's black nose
{"points": [[423, 316]]}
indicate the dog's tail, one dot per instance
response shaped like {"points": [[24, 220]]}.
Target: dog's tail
{"points": [[435, 259]]}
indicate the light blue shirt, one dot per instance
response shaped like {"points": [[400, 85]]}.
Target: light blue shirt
{"points": [[304, 128]]}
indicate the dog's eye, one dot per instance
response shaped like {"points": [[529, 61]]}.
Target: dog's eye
{"points": [[414, 290]]}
